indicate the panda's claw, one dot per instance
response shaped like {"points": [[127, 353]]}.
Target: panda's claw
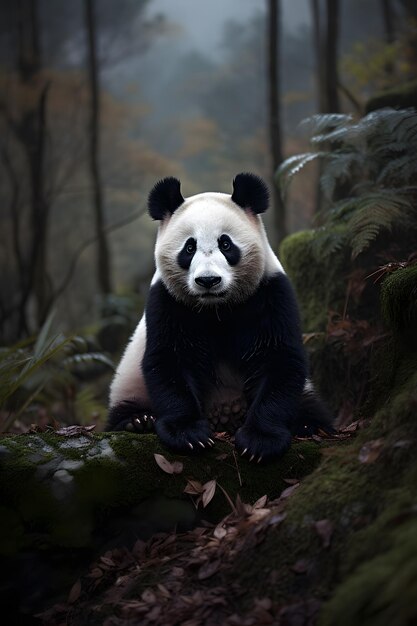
{"points": [[244, 452], [211, 442], [145, 417], [259, 460], [202, 444], [252, 457], [191, 445]]}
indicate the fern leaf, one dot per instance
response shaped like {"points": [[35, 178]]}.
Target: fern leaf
{"points": [[376, 213], [292, 166]]}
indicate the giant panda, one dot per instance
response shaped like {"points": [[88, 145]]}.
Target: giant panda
{"points": [[221, 330]]}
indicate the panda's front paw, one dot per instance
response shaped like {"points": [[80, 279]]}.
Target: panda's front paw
{"points": [[184, 435], [258, 447]]}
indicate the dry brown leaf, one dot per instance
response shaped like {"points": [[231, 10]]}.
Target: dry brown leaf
{"points": [[177, 467], [148, 596], [276, 519], [324, 529], [163, 463], [208, 569], [289, 491], [177, 572], [74, 431], [209, 489], [301, 566], [260, 503], [371, 451], [193, 487], [74, 594], [220, 531]]}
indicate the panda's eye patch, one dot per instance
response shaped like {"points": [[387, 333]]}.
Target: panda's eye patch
{"points": [[186, 255], [229, 249]]}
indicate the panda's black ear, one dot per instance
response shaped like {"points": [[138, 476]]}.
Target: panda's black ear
{"points": [[165, 198], [250, 192]]}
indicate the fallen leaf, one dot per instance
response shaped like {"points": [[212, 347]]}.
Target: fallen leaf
{"points": [[209, 489], [371, 451], [289, 491], [220, 532], [324, 529], [148, 596], [74, 431], [177, 572], [74, 594], [276, 519], [301, 566], [260, 503], [193, 487], [177, 467], [208, 569], [163, 463]]}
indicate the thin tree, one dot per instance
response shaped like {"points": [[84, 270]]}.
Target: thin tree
{"points": [[331, 74], [103, 251], [388, 18], [274, 36]]}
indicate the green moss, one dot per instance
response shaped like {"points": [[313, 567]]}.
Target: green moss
{"points": [[61, 499], [319, 282], [400, 96], [383, 591], [399, 301]]}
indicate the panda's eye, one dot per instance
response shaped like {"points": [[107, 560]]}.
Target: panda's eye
{"points": [[225, 244], [190, 246]]}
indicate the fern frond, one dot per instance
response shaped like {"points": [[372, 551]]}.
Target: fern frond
{"points": [[375, 213], [292, 166], [338, 168], [398, 172], [328, 241], [325, 122]]}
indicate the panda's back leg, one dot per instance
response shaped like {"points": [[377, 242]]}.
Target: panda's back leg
{"points": [[130, 407], [130, 415], [313, 414]]}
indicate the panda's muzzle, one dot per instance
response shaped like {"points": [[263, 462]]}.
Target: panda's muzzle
{"points": [[208, 281]]}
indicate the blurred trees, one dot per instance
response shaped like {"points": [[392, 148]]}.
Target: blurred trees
{"points": [[103, 252], [274, 97], [44, 152]]}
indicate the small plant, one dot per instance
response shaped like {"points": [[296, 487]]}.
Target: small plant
{"points": [[37, 371], [368, 177]]}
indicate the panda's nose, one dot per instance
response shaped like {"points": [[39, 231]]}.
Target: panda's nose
{"points": [[208, 281]]}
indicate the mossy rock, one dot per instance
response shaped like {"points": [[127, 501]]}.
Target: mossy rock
{"points": [[54, 489], [319, 283], [399, 301], [401, 96]]}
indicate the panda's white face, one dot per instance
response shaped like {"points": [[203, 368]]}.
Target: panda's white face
{"points": [[211, 251]]}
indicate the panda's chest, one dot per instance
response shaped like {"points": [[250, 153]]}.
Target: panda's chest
{"points": [[224, 402]]}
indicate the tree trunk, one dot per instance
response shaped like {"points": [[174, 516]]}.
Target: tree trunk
{"points": [[389, 30], [331, 57], [274, 32], [103, 252], [318, 53], [31, 131]]}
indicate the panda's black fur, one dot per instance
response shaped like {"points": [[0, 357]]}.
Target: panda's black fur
{"points": [[259, 338]]}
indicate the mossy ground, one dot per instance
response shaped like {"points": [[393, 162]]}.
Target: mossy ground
{"points": [[38, 507]]}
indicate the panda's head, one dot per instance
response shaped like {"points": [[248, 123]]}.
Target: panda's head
{"points": [[211, 248]]}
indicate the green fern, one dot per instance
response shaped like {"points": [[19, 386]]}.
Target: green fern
{"points": [[373, 160]]}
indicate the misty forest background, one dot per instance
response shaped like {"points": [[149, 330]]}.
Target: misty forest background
{"points": [[99, 99]]}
